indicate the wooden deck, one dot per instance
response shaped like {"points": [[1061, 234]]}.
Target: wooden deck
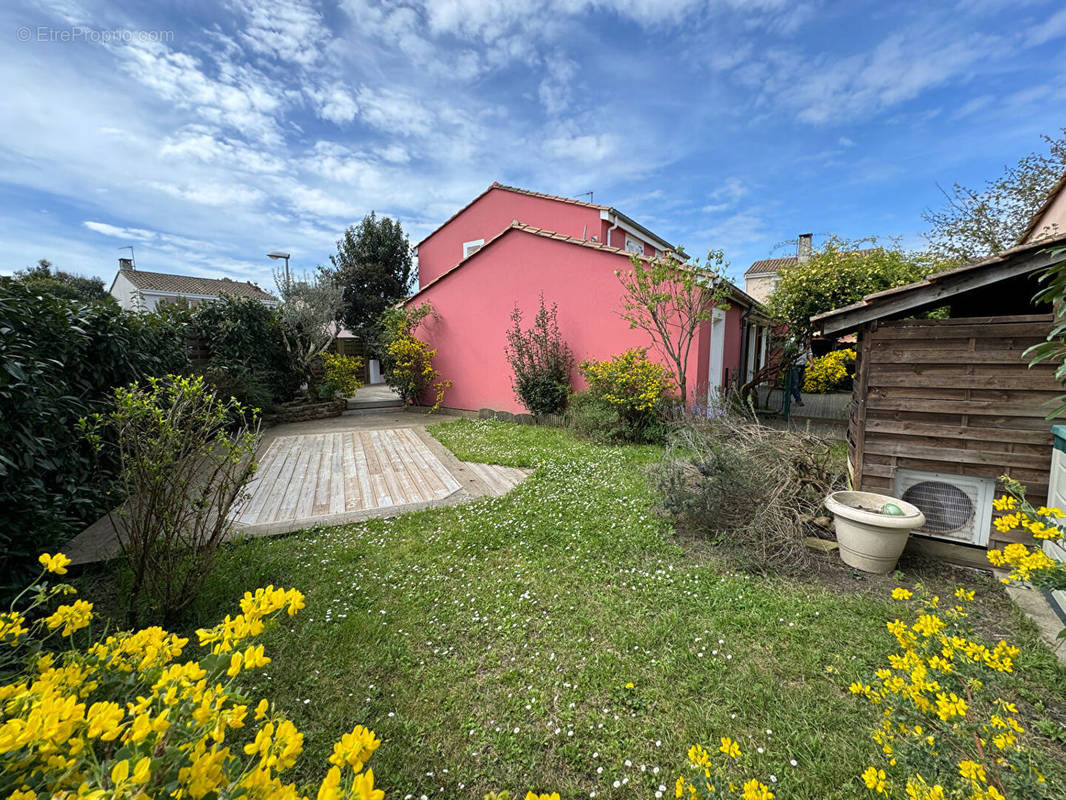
{"points": [[319, 475]]}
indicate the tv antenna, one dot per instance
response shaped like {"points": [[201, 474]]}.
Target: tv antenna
{"points": [[132, 259], [586, 193]]}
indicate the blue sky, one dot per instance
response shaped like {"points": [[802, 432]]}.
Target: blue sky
{"points": [[207, 134]]}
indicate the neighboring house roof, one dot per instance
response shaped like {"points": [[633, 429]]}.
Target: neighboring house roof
{"points": [[665, 245], [770, 266], [736, 293], [935, 290], [1060, 184], [166, 283]]}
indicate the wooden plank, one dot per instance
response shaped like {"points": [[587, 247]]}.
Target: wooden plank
{"points": [[401, 485], [973, 407], [907, 355], [336, 477], [1038, 381], [932, 323], [380, 490], [953, 455], [279, 450], [859, 394], [353, 498], [282, 502], [907, 428], [448, 481], [966, 329], [362, 471], [420, 461], [308, 478]]}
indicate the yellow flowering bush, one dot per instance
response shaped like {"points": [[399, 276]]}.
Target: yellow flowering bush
{"points": [[340, 375], [946, 730], [125, 716], [411, 370], [727, 770], [626, 399], [1027, 563], [830, 373]]}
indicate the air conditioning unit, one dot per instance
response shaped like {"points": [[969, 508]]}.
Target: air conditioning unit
{"points": [[957, 508]]}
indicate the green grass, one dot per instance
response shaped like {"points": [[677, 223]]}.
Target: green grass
{"points": [[490, 644]]}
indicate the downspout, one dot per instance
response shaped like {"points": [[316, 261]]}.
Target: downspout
{"points": [[745, 340], [607, 236]]}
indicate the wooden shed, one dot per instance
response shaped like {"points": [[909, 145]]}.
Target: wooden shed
{"points": [[941, 408]]}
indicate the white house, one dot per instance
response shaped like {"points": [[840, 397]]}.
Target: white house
{"points": [[138, 290]]}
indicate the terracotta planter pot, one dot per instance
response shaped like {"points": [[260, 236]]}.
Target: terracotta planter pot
{"points": [[869, 540]]}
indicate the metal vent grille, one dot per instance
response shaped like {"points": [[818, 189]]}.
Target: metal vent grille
{"points": [[957, 508], [947, 508]]}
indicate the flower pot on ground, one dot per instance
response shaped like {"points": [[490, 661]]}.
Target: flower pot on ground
{"points": [[869, 538]]}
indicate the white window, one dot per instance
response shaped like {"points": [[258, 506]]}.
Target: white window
{"points": [[469, 248], [634, 245]]}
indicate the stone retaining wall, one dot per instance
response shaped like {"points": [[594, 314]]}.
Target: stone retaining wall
{"points": [[305, 412]]}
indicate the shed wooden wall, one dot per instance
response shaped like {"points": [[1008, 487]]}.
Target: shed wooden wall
{"points": [[955, 396]]}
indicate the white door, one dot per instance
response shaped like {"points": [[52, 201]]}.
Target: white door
{"points": [[716, 359]]}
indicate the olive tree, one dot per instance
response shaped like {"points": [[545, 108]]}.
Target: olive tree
{"points": [[310, 312]]}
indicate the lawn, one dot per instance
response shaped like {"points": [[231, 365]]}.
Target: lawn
{"points": [[562, 638]]}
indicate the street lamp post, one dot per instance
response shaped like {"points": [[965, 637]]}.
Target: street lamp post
{"points": [[277, 254]]}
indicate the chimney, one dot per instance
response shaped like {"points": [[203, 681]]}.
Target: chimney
{"points": [[803, 247], [125, 264]]}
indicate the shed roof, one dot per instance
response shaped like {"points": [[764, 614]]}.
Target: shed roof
{"points": [[168, 283], [936, 289], [770, 266]]}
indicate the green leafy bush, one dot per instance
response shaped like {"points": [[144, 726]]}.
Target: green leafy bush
{"points": [[340, 376], [248, 357], [628, 397], [541, 361], [182, 469], [407, 361], [59, 360]]}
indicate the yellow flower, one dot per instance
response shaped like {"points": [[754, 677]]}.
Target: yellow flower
{"points": [[364, 787], [899, 593], [963, 594], [71, 618], [729, 747], [874, 779], [972, 771], [753, 790], [629, 685], [354, 748], [57, 563]]}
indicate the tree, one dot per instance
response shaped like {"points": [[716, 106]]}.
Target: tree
{"points": [[668, 299], [976, 223], [42, 278], [373, 265], [841, 273], [309, 311]]}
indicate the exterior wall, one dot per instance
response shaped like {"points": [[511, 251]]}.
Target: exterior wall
{"points": [[474, 305], [955, 396], [616, 237], [490, 215], [122, 291], [1052, 221], [760, 287]]}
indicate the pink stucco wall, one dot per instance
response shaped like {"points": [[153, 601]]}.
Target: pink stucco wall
{"points": [[1053, 221], [492, 213], [474, 305]]}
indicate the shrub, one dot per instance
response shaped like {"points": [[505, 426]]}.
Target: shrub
{"points": [[946, 730], [541, 362], [635, 388], [407, 361], [123, 715], [247, 351], [754, 490], [340, 376], [832, 372], [59, 360], [182, 471]]}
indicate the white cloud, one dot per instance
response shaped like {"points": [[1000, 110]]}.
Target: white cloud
{"points": [[289, 30], [118, 232]]}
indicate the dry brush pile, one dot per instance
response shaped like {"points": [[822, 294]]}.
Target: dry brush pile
{"points": [[754, 490]]}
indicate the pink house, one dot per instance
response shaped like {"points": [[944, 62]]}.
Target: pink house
{"points": [[506, 247]]}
